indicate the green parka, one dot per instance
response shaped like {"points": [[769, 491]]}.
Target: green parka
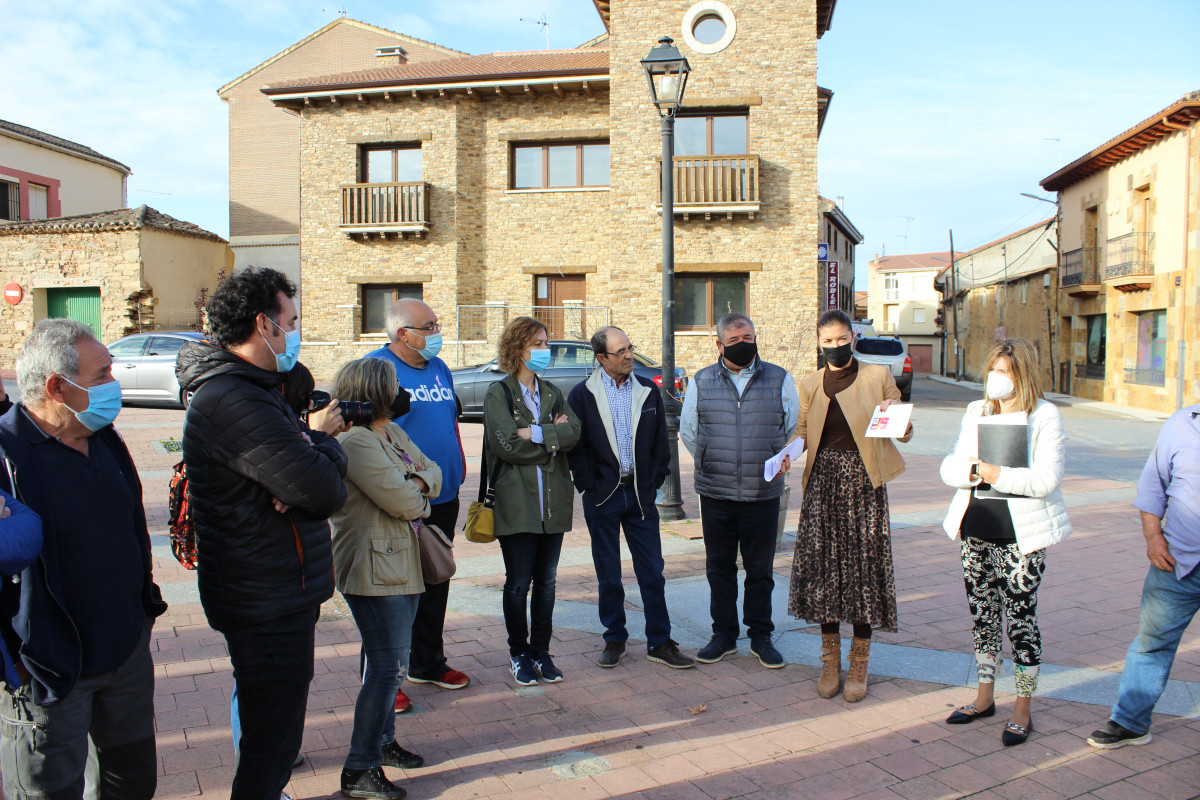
{"points": [[517, 507]]}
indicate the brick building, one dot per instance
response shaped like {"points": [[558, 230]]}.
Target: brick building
{"points": [[492, 185], [1128, 285], [836, 274]]}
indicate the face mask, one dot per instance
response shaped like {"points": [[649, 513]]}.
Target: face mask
{"points": [[999, 387], [838, 356], [401, 404], [538, 360], [291, 348], [104, 403], [433, 346], [741, 353]]}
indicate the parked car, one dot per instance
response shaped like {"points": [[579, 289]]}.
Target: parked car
{"points": [[891, 353], [144, 365], [570, 362]]}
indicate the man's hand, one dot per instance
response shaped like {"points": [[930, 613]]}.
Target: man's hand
{"points": [[525, 433], [328, 419], [280, 506], [5, 511], [1156, 544]]}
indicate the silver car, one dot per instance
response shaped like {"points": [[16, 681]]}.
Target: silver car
{"points": [[144, 365]]}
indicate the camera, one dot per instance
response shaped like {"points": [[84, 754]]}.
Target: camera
{"points": [[353, 412]]}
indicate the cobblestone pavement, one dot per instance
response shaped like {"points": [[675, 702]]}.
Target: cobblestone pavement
{"points": [[731, 729]]}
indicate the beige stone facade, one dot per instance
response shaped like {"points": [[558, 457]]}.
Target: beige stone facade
{"points": [[1128, 286], [486, 243], [904, 303]]}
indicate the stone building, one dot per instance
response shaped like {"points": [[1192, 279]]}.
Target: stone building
{"points": [[1128, 285], [836, 274], [510, 183], [904, 303], [118, 272], [264, 152], [1003, 289]]}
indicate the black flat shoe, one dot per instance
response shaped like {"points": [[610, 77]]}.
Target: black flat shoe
{"points": [[969, 713], [1016, 734]]}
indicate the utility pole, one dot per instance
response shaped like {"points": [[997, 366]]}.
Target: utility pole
{"points": [[1004, 286], [954, 309]]}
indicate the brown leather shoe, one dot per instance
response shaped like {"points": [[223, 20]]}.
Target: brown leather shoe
{"points": [[831, 669], [856, 676]]}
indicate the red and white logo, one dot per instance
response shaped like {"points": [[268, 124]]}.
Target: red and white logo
{"points": [[13, 293]]}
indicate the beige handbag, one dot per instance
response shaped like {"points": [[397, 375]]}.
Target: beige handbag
{"points": [[437, 554]]}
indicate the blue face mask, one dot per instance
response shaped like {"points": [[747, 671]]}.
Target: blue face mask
{"points": [[104, 403], [291, 348], [433, 346], [538, 360]]}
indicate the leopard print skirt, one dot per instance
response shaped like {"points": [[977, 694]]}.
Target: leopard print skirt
{"points": [[842, 570]]}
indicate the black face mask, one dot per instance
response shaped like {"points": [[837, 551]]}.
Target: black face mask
{"points": [[401, 404], [838, 356], [741, 353]]}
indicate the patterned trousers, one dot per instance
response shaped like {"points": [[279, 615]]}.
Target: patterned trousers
{"points": [[1001, 580]]}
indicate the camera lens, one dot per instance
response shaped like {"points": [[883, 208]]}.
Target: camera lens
{"points": [[355, 412]]}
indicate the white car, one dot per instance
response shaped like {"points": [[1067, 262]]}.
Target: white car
{"points": [[891, 353]]}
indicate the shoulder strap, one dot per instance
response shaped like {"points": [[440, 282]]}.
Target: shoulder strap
{"points": [[487, 483]]}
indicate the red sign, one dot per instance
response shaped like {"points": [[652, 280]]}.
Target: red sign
{"points": [[13, 294], [831, 285]]}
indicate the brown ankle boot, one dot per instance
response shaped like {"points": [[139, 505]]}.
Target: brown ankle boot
{"points": [[831, 669], [856, 676]]}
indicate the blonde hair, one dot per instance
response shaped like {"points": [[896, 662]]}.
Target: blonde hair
{"points": [[368, 379], [1022, 361], [513, 341]]}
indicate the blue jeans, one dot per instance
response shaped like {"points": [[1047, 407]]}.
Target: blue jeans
{"points": [[529, 559], [386, 625], [1168, 606], [645, 545]]}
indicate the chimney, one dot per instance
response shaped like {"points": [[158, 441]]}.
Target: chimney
{"points": [[391, 55]]}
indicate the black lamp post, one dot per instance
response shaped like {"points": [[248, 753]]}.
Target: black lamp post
{"points": [[667, 73]]}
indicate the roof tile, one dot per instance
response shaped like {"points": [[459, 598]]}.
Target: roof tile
{"points": [[121, 219], [57, 141]]}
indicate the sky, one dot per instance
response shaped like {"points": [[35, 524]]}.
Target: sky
{"points": [[943, 112]]}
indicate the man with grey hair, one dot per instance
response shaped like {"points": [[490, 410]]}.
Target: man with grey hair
{"points": [[78, 623], [738, 413], [432, 424]]}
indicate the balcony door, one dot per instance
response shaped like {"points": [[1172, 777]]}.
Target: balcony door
{"points": [[392, 165], [553, 298]]}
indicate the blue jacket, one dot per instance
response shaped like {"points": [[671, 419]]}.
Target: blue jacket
{"points": [[595, 466], [20, 544], [33, 622]]}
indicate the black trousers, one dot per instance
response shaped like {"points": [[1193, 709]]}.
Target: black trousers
{"points": [[428, 658], [730, 526]]}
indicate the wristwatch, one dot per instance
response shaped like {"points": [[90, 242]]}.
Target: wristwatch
{"points": [[974, 471]]}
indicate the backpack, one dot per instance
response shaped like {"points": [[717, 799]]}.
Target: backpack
{"points": [[183, 528]]}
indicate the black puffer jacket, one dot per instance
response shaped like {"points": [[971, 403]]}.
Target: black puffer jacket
{"points": [[244, 446]]}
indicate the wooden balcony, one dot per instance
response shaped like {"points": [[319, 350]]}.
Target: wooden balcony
{"points": [[385, 209], [714, 185], [1080, 273]]}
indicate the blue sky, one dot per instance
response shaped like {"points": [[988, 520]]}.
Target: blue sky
{"points": [[943, 112]]}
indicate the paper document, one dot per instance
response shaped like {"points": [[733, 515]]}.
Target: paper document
{"points": [[890, 424], [772, 464]]}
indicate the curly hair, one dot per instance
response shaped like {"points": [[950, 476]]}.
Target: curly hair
{"points": [[513, 341], [240, 298]]}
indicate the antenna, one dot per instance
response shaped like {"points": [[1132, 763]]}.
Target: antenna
{"points": [[542, 23], [907, 221]]}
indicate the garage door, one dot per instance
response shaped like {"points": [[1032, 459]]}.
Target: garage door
{"points": [[922, 357], [80, 303]]}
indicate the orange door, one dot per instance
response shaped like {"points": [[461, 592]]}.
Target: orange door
{"points": [[559, 295]]}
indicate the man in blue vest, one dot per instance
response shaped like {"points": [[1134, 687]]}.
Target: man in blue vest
{"points": [[737, 414], [432, 424]]}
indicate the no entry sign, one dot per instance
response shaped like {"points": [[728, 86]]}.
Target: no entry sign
{"points": [[13, 293]]}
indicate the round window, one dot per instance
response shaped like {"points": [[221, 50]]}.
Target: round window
{"points": [[709, 29]]}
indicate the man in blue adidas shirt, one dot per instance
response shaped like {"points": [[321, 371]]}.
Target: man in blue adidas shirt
{"points": [[432, 424]]}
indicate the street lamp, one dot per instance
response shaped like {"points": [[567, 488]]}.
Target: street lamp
{"points": [[667, 73]]}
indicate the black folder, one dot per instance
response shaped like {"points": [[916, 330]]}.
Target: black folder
{"points": [[1005, 445]]}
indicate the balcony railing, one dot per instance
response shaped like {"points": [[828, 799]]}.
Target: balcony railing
{"points": [[1129, 255], [1092, 372], [715, 184], [1080, 267], [1147, 377], [385, 207]]}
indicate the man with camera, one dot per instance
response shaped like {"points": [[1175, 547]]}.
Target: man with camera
{"points": [[263, 488], [432, 424]]}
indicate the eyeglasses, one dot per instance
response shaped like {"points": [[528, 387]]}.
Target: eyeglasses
{"points": [[624, 351], [432, 327]]}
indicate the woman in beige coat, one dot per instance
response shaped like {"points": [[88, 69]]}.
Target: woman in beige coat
{"points": [[377, 563]]}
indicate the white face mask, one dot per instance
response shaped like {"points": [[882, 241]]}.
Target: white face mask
{"points": [[998, 387]]}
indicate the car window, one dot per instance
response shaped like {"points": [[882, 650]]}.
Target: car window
{"points": [[165, 345], [571, 355], [127, 348], [879, 347]]}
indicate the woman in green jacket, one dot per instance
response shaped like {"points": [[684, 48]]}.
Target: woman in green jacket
{"points": [[529, 427]]}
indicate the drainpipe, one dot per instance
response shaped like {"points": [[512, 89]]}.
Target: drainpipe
{"points": [[1183, 307]]}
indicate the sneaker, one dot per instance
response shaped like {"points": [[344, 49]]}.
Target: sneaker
{"points": [[717, 648], [450, 679], [371, 784], [1113, 736], [393, 755], [545, 667], [299, 760], [612, 654], [523, 670], [762, 649], [402, 702], [284, 796], [668, 653]]}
